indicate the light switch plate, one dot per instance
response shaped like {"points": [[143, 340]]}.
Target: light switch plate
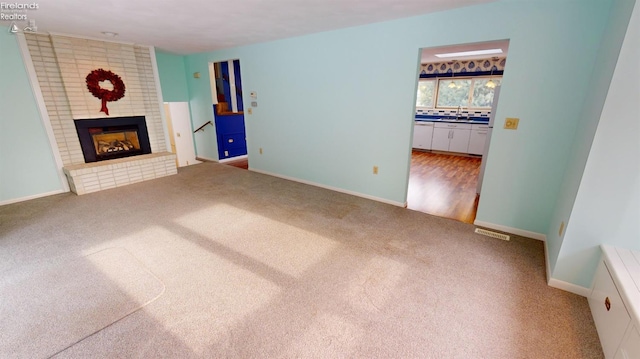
{"points": [[511, 123]]}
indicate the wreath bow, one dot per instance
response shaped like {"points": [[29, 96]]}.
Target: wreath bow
{"points": [[93, 84]]}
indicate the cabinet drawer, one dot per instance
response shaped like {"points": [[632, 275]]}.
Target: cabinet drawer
{"points": [[463, 126], [608, 310], [479, 127], [424, 123]]}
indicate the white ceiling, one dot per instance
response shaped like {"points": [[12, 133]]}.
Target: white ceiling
{"points": [[188, 26]]}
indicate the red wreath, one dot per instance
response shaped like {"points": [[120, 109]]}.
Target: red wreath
{"points": [[93, 84]]}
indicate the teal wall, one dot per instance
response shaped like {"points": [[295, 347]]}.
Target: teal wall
{"points": [[334, 104], [173, 78], [27, 166], [602, 203]]}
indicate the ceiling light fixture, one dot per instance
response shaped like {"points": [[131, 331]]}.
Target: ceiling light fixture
{"points": [[470, 53], [109, 34], [490, 84], [452, 84]]}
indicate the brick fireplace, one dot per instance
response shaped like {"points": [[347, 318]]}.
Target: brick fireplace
{"points": [[119, 156]]}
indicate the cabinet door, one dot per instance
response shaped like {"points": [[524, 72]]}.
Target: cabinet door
{"points": [[460, 141], [441, 139], [476, 141], [422, 135], [417, 143], [608, 310], [630, 347], [234, 140]]}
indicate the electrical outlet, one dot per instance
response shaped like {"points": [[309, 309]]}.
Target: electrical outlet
{"points": [[260, 150], [561, 229], [250, 111], [511, 123], [375, 170]]}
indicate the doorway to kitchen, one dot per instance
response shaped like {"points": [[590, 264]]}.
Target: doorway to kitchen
{"points": [[452, 127], [444, 185]]}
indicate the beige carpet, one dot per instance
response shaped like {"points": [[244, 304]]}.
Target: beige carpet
{"points": [[259, 267], [47, 307]]}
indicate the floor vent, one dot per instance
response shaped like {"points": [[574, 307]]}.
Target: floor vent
{"points": [[488, 233]]}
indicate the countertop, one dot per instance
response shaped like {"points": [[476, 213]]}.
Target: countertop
{"points": [[452, 119]]}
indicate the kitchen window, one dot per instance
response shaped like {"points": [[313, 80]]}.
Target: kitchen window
{"points": [[467, 92], [426, 93]]}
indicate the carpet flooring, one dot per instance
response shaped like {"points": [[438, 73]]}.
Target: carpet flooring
{"points": [[255, 266], [52, 305]]}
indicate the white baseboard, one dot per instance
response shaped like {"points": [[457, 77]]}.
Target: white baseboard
{"points": [[373, 198], [569, 287], [560, 284], [516, 231], [39, 195]]}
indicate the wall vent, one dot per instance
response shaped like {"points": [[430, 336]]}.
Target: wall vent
{"points": [[492, 234]]}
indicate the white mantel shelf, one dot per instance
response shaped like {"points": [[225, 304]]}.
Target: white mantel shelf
{"points": [[97, 176]]}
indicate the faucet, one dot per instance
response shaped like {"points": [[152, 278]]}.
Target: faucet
{"points": [[459, 116]]}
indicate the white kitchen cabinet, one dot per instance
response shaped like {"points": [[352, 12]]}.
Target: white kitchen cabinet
{"points": [[477, 139], [615, 302], [609, 313], [452, 137], [441, 138], [459, 140], [422, 134]]}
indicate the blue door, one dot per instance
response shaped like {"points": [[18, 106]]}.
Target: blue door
{"points": [[228, 114]]}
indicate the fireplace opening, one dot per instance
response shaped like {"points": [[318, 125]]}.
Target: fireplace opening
{"points": [[107, 143], [106, 139]]}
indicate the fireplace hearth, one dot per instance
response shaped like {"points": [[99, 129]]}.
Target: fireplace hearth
{"points": [[110, 138]]}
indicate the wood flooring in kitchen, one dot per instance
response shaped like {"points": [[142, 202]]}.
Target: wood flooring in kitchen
{"points": [[241, 163], [444, 185]]}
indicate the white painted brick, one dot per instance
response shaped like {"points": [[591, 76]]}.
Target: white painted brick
{"points": [[92, 188], [62, 64], [108, 185], [87, 183]]}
